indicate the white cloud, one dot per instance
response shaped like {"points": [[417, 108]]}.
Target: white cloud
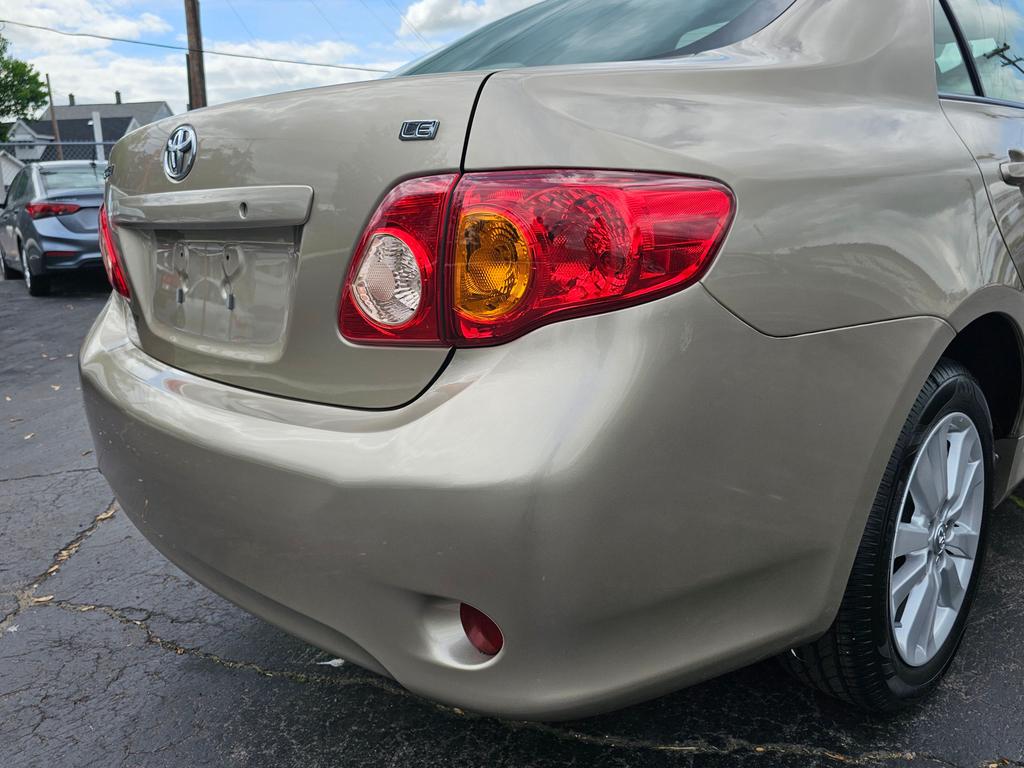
{"points": [[94, 76], [94, 16], [92, 70], [228, 78], [433, 17]]}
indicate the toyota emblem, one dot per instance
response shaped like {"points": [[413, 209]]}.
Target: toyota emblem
{"points": [[180, 152]]}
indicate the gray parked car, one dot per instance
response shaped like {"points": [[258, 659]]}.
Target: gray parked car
{"points": [[49, 221], [613, 347]]}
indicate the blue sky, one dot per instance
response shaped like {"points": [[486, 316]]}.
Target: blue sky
{"points": [[374, 33]]}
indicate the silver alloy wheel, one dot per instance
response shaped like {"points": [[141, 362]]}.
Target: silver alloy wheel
{"points": [[25, 271], [936, 539]]}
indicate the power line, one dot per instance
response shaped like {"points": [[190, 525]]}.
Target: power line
{"points": [[252, 40], [337, 31], [185, 48], [384, 24], [404, 18], [330, 23], [324, 17]]}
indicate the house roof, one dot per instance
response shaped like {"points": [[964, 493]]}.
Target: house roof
{"points": [[5, 155], [81, 130], [143, 111]]}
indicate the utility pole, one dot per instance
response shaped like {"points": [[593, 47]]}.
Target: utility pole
{"points": [[188, 71], [53, 119], [196, 71]]}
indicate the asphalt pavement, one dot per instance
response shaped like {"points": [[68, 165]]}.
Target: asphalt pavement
{"points": [[110, 656]]}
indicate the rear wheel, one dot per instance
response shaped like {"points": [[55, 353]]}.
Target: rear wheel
{"points": [[919, 562], [38, 285]]}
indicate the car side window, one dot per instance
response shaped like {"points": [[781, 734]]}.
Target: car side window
{"points": [[994, 31], [950, 68], [28, 190], [17, 189]]}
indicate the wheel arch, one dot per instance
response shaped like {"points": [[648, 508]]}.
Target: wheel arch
{"points": [[990, 347], [989, 341]]}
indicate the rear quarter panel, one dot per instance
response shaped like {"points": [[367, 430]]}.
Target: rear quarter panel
{"points": [[857, 201], [858, 205]]}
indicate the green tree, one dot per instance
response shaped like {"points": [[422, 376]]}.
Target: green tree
{"points": [[22, 90]]}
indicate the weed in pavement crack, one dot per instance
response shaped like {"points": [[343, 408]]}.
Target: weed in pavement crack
{"points": [[27, 596]]}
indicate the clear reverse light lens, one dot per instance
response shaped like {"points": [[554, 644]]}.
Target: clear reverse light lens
{"points": [[388, 286]]}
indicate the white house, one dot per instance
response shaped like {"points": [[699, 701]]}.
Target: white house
{"points": [[9, 167], [81, 138]]}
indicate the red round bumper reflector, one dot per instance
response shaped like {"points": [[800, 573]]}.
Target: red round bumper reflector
{"points": [[481, 631]]}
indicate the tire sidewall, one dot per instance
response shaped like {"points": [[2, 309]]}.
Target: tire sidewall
{"points": [[955, 393]]}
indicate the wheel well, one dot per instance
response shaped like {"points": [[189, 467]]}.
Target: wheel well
{"points": [[990, 348]]}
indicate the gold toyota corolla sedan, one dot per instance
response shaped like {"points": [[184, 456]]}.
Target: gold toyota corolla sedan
{"points": [[610, 348]]}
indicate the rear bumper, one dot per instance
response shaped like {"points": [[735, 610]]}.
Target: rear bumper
{"points": [[641, 500], [63, 261], [55, 248]]}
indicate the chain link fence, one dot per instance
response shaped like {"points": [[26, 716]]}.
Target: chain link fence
{"points": [[33, 152]]}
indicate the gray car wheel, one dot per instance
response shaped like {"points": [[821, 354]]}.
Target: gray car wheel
{"points": [[37, 285], [936, 542], [918, 564]]}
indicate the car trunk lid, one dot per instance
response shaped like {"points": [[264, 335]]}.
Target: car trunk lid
{"points": [[86, 218], [236, 270]]}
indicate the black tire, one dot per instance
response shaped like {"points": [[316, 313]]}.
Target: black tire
{"points": [[40, 286], [37, 285], [857, 660]]}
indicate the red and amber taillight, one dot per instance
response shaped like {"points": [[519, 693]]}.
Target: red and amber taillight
{"points": [[111, 256], [528, 248]]}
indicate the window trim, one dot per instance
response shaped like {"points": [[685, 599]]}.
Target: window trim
{"points": [[979, 96], [981, 100], [34, 182]]}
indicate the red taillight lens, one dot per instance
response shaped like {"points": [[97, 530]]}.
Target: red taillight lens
{"points": [[111, 256], [482, 632], [524, 249], [390, 295], [529, 248], [43, 210]]}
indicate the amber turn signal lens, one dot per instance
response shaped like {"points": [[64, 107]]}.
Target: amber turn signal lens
{"points": [[533, 247], [492, 266]]}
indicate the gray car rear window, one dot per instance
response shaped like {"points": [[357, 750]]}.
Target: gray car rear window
{"points": [[587, 31], [83, 177]]}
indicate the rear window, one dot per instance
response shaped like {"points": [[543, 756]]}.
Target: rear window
{"points": [[83, 177], [588, 31]]}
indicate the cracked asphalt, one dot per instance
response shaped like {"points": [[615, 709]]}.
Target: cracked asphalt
{"points": [[110, 656]]}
